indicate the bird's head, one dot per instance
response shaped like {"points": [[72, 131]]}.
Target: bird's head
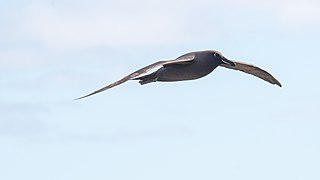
{"points": [[218, 56]]}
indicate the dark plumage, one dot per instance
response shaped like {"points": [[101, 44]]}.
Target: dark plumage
{"points": [[190, 66]]}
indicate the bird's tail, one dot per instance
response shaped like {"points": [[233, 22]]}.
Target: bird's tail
{"points": [[147, 78]]}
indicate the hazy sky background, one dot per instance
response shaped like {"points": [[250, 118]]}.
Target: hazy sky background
{"points": [[226, 126]]}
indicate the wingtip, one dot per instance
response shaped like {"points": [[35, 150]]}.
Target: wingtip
{"points": [[83, 97], [79, 98], [278, 83]]}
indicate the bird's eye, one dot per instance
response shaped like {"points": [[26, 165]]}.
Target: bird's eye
{"points": [[215, 54]]}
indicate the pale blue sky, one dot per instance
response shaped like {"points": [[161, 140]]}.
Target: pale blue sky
{"points": [[228, 125]]}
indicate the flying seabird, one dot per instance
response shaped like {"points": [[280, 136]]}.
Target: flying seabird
{"points": [[189, 66]]}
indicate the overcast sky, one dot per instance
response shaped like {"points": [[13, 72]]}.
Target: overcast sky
{"points": [[227, 125]]}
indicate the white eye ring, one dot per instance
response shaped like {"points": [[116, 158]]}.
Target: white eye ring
{"points": [[215, 54]]}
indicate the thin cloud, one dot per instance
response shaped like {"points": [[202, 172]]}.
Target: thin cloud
{"points": [[13, 59], [59, 28], [20, 120], [113, 23], [300, 14]]}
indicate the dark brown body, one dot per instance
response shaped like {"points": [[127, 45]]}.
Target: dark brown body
{"points": [[204, 63]]}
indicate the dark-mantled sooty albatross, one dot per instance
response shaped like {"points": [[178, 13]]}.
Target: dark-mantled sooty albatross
{"points": [[189, 66]]}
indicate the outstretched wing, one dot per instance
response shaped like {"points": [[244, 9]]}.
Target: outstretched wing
{"points": [[253, 70], [183, 59]]}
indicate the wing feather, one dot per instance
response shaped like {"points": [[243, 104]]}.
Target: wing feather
{"points": [[183, 59], [253, 70]]}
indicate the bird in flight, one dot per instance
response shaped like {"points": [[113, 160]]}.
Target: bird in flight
{"points": [[189, 66]]}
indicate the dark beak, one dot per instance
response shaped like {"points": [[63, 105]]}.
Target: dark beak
{"points": [[228, 62]]}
